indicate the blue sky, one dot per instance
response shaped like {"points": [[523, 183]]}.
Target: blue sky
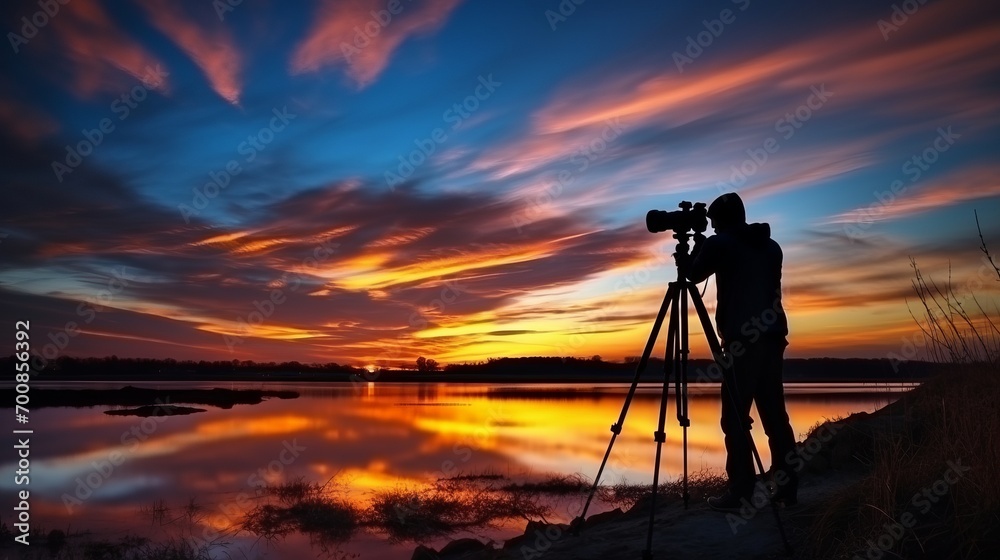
{"points": [[529, 197]]}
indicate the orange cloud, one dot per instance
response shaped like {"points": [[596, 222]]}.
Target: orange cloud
{"points": [[99, 50], [860, 296], [254, 243], [347, 33], [680, 98], [211, 49], [403, 238], [372, 270], [539, 150], [963, 186]]}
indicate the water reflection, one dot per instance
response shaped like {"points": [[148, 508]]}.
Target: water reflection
{"points": [[93, 471]]}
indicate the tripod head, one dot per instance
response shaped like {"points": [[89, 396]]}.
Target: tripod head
{"points": [[682, 254], [690, 221]]}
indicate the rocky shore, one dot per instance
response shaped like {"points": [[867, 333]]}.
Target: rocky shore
{"points": [[833, 458]]}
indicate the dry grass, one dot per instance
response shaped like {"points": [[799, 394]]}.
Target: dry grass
{"points": [[553, 486], [307, 507], [951, 419], [409, 514], [461, 503], [701, 485], [957, 332], [403, 513]]}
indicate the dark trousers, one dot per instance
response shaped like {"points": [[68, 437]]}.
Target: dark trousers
{"points": [[755, 378]]}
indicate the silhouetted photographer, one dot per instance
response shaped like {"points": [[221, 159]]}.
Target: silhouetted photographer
{"points": [[753, 327]]}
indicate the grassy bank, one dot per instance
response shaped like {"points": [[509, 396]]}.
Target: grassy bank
{"points": [[932, 489]]}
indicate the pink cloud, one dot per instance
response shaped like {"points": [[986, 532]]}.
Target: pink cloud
{"points": [[99, 51], [860, 70], [211, 48], [347, 33], [962, 186], [853, 62]]}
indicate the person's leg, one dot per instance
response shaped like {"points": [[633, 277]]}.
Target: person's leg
{"points": [[770, 399], [737, 396]]}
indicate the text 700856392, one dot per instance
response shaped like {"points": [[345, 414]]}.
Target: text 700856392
{"points": [[22, 347]]}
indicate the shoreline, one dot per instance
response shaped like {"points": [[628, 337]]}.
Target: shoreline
{"points": [[857, 477], [523, 379], [132, 396], [697, 531]]}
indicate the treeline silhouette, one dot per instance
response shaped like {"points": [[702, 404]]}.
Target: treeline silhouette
{"points": [[116, 368], [524, 369], [795, 369]]}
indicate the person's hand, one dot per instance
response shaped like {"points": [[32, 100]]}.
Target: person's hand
{"points": [[699, 238], [684, 259]]}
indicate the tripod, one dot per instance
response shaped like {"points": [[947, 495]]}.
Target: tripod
{"points": [[676, 361]]}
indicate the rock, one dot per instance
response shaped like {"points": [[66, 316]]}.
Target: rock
{"points": [[424, 553], [462, 546], [603, 518], [538, 535], [515, 542], [529, 530], [642, 505]]}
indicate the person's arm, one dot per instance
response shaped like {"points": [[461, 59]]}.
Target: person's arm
{"points": [[704, 260]]}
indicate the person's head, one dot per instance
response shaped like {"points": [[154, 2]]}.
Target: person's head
{"points": [[727, 212]]}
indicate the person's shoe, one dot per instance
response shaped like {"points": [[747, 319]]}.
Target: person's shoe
{"points": [[727, 502]]}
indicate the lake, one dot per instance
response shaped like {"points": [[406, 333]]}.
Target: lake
{"points": [[191, 475]]}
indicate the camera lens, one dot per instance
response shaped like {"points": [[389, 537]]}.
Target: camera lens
{"points": [[657, 221]]}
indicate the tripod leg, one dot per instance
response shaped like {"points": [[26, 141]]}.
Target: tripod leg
{"points": [[617, 427], [660, 436], [716, 347], [682, 409]]}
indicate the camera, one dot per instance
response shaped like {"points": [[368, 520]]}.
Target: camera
{"points": [[692, 217]]}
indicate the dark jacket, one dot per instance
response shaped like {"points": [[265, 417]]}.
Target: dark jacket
{"points": [[747, 266]]}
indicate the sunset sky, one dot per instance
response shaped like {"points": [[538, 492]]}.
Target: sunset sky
{"points": [[469, 179]]}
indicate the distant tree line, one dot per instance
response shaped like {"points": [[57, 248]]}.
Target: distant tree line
{"points": [[423, 364], [539, 367], [114, 366]]}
